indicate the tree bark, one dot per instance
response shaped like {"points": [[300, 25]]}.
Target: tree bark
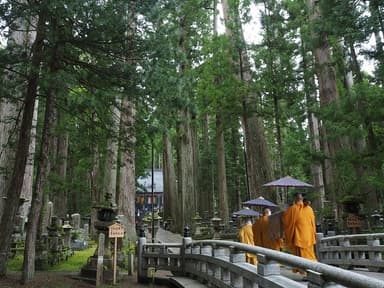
{"points": [[222, 189], [21, 38], [59, 197], [171, 209], [14, 187], [259, 166], [186, 177], [329, 95], [41, 178], [206, 177], [127, 184], [111, 157]]}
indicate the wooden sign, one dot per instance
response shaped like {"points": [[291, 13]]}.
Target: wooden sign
{"points": [[354, 221], [116, 231]]}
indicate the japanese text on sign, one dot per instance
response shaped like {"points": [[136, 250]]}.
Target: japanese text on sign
{"points": [[116, 231]]}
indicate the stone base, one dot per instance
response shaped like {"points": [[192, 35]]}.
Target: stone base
{"points": [[89, 271]]}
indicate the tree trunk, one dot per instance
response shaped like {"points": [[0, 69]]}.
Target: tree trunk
{"points": [[186, 141], [111, 157], [259, 166], [41, 177], [313, 124], [14, 187], [186, 184], [329, 95], [127, 180], [59, 198], [20, 38], [171, 208], [26, 191], [97, 194], [206, 188], [127, 184], [222, 190]]}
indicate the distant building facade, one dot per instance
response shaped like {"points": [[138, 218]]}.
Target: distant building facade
{"points": [[144, 197]]}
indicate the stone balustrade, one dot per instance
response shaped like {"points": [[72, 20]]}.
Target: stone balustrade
{"points": [[222, 264], [352, 251]]}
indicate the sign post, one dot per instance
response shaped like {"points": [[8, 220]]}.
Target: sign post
{"points": [[115, 231]]}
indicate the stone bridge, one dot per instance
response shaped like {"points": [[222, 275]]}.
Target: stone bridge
{"points": [[219, 263]]}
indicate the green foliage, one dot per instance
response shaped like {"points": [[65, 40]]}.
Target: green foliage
{"points": [[73, 264]]}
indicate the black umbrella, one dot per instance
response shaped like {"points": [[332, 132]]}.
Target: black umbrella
{"points": [[288, 181], [260, 201], [246, 212]]}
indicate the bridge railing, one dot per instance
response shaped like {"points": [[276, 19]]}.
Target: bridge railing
{"points": [[353, 251], [222, 264]]}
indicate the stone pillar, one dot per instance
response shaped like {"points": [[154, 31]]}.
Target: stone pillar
{"points": [[185, 249], [141, 271], [218, 252], [374, 256], [266, 267], [347, 255], [319, 236], [316, 280], [236, 256]]}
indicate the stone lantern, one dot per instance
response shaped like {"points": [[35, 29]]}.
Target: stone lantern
{"points": [[67, 235], [216, 225], [106, 213], [156, 219], [197, 224]]}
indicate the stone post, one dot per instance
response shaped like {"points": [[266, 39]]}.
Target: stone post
{"points": [[267, 267], [236, 256], [184, 250], [346, 255], [374, 256], [205, 250], [100, 260], [141, 272], [319, 236], [316, 280], [218, 252]]}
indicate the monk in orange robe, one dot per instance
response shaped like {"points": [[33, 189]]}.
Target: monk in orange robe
{"points": [[246, 237], [300, 229], [261, 232]]}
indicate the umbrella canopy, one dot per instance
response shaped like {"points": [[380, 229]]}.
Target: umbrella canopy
{"points": [[260, 201], [288, 182], [246, 212]]}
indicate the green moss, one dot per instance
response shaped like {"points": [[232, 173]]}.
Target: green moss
{"points": [[74, 263], [16, 263]]}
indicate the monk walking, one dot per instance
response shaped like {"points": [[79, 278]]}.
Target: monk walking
{"points": [[246, 237], [300, 229], [262, 234]]}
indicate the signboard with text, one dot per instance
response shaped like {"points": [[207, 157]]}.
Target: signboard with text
{"points": [[354, 221], [116, 231]]}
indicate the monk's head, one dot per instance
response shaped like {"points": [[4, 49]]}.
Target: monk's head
{"points": [[299, 197], [266, 211]]}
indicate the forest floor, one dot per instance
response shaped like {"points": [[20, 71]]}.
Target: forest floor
{"points": [[65, 280]]}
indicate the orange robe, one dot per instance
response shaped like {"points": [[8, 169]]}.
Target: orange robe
{"points": [[262, 235], [246, 237], [300, 230]]}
